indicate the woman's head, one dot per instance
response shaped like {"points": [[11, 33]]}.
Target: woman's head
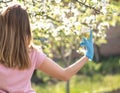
{"points": [[17, 22], [16, 38]]}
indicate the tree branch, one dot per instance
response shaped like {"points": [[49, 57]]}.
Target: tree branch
{"points": [[95, 10]]}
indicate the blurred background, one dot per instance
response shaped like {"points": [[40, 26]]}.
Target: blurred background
{"points": [[58, 27]]}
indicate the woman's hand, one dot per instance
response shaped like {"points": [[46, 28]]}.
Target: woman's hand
{"points": [[88, 44]]}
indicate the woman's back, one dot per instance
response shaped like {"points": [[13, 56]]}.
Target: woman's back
{"points": [[19, 81]]}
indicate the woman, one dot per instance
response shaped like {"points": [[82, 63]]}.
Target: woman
{"points": [[19, 57]]}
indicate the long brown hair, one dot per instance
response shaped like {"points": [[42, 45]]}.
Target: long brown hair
{"points": [[16, 37]]}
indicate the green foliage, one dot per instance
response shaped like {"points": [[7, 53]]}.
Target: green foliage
{"points": [[83, 84], [43, 76], [111, 65], [90, 69]]}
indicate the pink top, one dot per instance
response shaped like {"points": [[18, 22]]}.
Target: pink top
{"points": [[19, 81]]}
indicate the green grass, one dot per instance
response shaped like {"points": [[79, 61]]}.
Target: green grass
{"points": [[83, 84]]}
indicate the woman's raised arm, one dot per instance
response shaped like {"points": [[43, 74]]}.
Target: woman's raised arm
{"points": [[53, 69]]}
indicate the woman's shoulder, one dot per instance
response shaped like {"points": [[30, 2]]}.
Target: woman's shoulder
{"points": [[37, 55]]}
